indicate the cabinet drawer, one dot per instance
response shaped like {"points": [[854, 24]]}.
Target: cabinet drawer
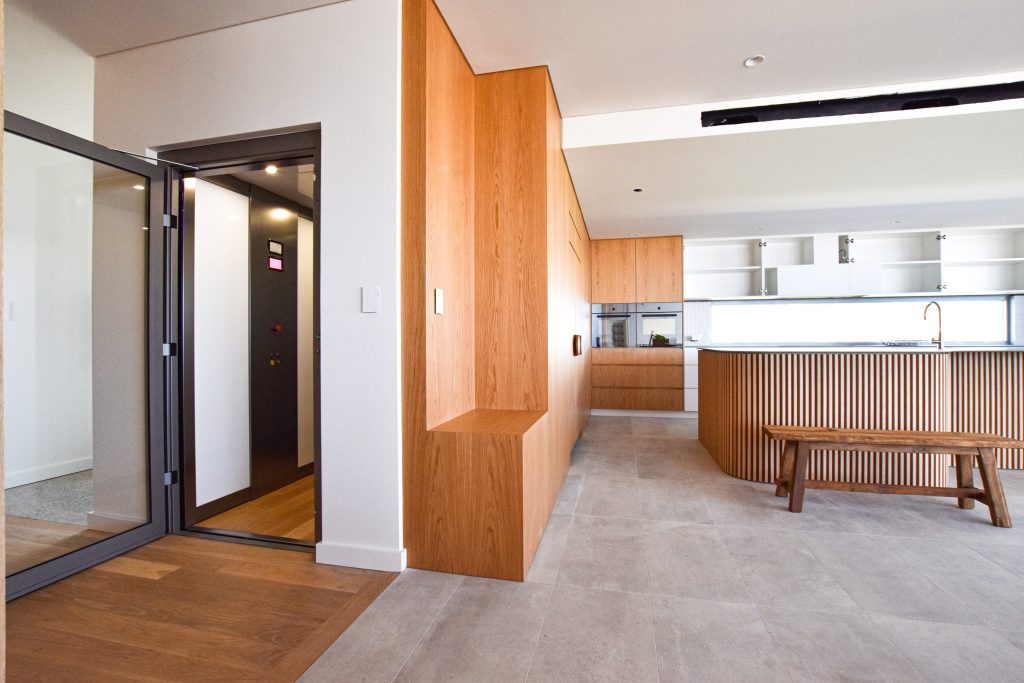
{"points": [[638, 399], [638, 376], [671, 356]]}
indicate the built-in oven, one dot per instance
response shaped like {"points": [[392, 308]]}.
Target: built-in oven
{"points": [[659, 324], [613, 325]]}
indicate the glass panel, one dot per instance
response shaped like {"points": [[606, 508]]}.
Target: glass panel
{"points": [[74, 337]]}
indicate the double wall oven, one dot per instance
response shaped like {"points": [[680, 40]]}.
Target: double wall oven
{"points": [[632, 325]]}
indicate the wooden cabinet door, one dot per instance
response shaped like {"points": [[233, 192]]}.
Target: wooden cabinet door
{"points": [[613, 267], [659, 269]]}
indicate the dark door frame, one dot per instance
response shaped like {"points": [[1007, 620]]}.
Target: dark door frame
{"points": [[161, 420], [208, 161]]}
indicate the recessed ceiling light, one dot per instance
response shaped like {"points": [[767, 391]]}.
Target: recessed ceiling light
{"points": [[638, 189], [138, 187], [271, 169], [280, 214], [751, 62]]}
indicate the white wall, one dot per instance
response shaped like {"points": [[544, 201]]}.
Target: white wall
{"points": [[305, 339], [221, 342], [46, 78], [338, 66]]}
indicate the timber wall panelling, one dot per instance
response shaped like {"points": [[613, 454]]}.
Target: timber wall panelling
{"points": [[493, 397], [988, 397]]}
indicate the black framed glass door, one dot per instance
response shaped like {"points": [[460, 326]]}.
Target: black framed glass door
{"points": [[87, 304]]}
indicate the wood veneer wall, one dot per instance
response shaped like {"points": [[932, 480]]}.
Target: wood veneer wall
{"points": [[740, 392], [988, 396], [3, 530]]}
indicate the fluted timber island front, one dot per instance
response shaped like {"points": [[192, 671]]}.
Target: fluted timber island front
{"points": [[968, 389]]}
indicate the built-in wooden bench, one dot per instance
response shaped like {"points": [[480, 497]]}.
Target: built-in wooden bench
{"points": [[965, 446]]}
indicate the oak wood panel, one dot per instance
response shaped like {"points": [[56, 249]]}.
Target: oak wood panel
{"points": [[605, 356], [741, 392], [481, 421], [659, 269], [638, 399], [3, 549], [613, 269], [988, 396], [187, 609], [449, 197], [511, 240], [286, 513], [638, 376]]}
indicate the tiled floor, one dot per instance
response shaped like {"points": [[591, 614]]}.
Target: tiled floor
{"points": [[657, 566], [66, 499]]}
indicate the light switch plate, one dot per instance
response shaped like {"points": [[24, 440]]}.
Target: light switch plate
{"points": [[371, 298], [439, 301]]}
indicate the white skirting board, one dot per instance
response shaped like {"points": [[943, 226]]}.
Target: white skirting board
{"points": [[361, 557], [34, 474], [608, 412]]}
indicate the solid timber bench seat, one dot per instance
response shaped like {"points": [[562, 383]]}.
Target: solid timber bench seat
{"points": [[964, 446]]}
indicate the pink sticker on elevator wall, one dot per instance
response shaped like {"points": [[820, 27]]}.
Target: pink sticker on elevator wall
{"points": [[275, 263]]}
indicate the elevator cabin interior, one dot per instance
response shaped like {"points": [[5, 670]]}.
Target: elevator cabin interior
{"points": [[248, 351]]}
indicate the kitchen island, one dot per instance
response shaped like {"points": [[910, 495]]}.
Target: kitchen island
{"points": [[901, 388]]}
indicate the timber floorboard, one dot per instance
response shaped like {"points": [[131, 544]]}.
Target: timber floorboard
{"points": [[184, 608], [284, 513]]}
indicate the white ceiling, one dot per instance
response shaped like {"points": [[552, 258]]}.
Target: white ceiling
{"points": [[932, 172], [100, 27], [619, 55]]}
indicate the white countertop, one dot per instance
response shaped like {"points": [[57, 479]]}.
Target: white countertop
{"points": [[857, 349]]}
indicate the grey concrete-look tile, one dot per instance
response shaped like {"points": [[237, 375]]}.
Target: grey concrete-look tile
{"points": [[953, 652], [880, 581], [604, 553], [609, 497], [1015, 637], [588, 462], [744, 503], [566, 503], [948, 521], [488, 631], [596, 636], [702, 640], [779, 570], [549, 553], [834, 647], [1009, 557], [376, 645], [691, 561], [993, 593], [672, 501]]}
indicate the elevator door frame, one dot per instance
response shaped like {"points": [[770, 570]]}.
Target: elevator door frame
{"points": [[161, 422], [211, 160]]}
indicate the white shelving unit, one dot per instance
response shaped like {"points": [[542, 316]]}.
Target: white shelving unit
{"points": [[909, 262]]}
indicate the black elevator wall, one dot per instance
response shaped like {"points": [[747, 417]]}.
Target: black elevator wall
{"points": [[273, 319]]}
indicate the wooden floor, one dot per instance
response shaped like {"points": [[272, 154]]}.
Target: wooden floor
{"points": [[33, 541], [187, 609], [285, 513]]}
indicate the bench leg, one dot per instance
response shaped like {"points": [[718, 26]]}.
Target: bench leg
{"points": [[993, 488], [965, 479], [799, 477], [785, 469]]}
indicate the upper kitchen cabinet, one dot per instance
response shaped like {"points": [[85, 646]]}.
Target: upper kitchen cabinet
{"points": [[659, 269], [613, 265], [637, 270]]}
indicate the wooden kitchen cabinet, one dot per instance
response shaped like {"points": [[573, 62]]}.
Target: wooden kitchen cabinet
{"points": [[613, 265], [637, 270], [659, 269]]}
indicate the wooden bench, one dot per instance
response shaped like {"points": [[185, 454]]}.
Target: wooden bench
{"points": [[800, 441]]}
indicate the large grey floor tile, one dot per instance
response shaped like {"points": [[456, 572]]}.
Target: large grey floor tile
{"points": [[744, 503], [779, 570], [609, 497], [691, 561], [879, 580], [605, 553], [954, 652], [672, 501], [567, 497], [376, 645], [835, 647], [994, 594], [549, 553], [592, 462], [1015, 637], [701, 640], [1009, 557], [596, 636], [488, 631]]}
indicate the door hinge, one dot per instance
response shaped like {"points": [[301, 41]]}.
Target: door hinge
{"points": [[170, 221], [170, 478], [170, 350]]}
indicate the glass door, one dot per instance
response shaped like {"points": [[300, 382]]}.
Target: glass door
{"points": [[85, 294]]}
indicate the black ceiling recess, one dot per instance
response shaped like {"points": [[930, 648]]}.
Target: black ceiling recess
{"points": [[864, 105]]}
